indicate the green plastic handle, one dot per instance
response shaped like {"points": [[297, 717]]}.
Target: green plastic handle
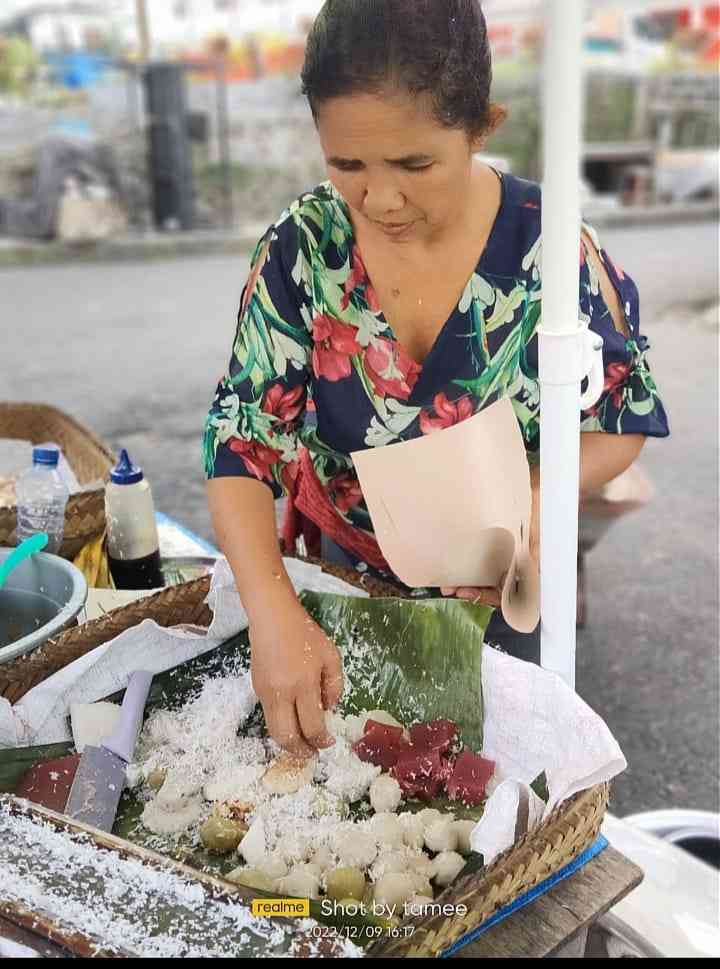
{"points": [[36, 543]]}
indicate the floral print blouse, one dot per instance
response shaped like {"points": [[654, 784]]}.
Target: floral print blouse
{"points": [[311, 336]]}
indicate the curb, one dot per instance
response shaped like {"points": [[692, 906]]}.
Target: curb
{"points": [[19, 253], [652, 215]]}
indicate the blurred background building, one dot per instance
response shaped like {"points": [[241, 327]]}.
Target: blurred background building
{"points": [[76, 70]]}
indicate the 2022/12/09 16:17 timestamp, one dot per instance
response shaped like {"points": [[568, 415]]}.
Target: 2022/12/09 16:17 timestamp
{"points": [[362, 933]]}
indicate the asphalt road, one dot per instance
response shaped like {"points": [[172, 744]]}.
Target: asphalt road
{"points": [[134, 351]]}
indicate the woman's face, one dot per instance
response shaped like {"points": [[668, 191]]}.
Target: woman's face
{"points": [[398, 169]]}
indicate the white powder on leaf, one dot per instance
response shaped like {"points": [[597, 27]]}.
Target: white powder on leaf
{"points": [[343, 773]]}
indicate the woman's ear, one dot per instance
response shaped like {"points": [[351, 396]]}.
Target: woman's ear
{"points": [[477, 144], [496, 115]]}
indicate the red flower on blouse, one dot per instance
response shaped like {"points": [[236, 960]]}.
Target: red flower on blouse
{"points": [[335, 343], [285, 404], [616, 376], [358, 279], [258, 458], [345, 491], [449, 414], [392, 372]]}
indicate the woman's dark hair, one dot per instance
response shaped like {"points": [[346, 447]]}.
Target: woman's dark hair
{"points": [[434, 47]]}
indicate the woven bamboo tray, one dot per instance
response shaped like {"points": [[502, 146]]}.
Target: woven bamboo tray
{"points": [[570, 830], [89, 458]]}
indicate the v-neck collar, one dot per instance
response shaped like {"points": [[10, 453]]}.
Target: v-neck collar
{"points": [[489, 245]]}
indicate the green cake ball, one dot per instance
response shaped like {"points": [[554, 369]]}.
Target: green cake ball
{"points": [[342, 883]]}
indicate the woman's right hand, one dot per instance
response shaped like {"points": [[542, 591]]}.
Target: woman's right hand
{"points": [[297, 675]]}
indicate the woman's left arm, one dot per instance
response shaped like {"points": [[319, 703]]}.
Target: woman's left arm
{"points": [[603, 457]]}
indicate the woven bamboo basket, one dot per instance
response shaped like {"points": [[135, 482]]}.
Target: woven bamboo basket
{"points": [[567, 832], [89, 458]]}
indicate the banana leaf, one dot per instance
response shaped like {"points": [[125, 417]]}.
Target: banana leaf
{"points": [[418, 660]]}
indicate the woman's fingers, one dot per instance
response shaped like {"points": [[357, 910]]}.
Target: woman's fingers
{"points": [[448, 591], [311, 717], [332, 680], [483, 597], [284, 728]]}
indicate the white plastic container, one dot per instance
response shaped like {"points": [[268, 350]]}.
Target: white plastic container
{"points": [[133, 544]]}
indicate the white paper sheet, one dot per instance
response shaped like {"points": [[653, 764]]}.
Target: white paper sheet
{"points": [[453, 509], [533, 723]]}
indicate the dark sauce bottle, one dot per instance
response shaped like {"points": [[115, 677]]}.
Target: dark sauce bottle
{"points": [[133, 544]]}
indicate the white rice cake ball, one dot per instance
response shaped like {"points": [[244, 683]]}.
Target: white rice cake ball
{"points": [[446, 867], [429, 816], [413, 829], [387, 829], [463, 830], [441, 836], [385, 794], [392, 891], [300, 883], [275, 866], [420, 863], [422, 884], [163, 819], [391, 862], [253, 846], [323, 857], [355, 848], [288, 774], [295, 848], [345, 775]]}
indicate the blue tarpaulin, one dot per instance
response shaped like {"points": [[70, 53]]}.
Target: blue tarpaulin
{"points": [[76, 69]]}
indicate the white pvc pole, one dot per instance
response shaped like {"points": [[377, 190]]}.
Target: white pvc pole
{"points": [[560, 340]]}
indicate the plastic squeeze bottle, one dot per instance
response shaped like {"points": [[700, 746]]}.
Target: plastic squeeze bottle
{"points": [[133, 544]]}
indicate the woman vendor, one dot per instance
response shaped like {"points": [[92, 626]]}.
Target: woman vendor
{"points": [[396, 299]]}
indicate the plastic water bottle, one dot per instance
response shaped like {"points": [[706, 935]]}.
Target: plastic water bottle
{"points": [[41, 499]]}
